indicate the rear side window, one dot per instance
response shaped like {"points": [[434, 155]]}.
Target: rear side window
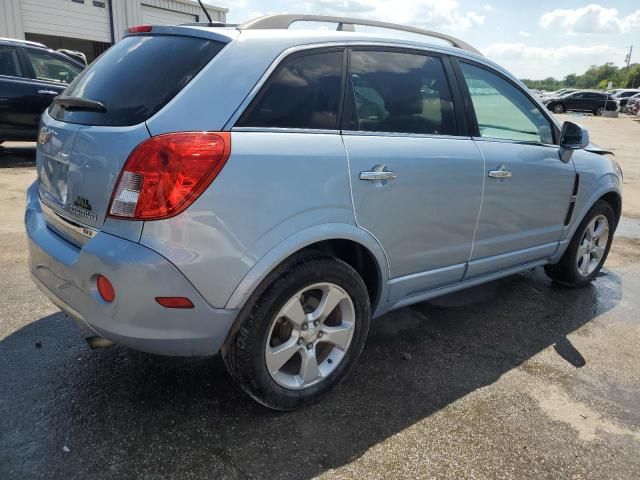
{"points": [[303, 92], [51, 68], [400, 92], [9, 64], [137, 77]]}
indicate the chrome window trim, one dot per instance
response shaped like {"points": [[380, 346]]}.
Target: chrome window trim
{"points": [[366, 133], [286, 130], [230, 125], [516, 142]]}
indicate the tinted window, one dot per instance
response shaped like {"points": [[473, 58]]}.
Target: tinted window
{"points": [[303, 92], [51, 68], [400, 92], [137, 77], [502, 110], [9, 64]]}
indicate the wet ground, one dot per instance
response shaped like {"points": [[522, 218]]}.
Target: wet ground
{"points": [[518, 379]]}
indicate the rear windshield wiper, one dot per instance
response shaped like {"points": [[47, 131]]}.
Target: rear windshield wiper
{"points": [[77, 103]]}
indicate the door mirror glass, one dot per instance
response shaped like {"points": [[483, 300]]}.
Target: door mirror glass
{"points": [[573, 136]]}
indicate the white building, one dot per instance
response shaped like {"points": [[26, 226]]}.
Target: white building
{"points": [[91, 26]]}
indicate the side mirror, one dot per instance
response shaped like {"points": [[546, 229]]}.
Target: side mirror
{"points": [[572, 137]]}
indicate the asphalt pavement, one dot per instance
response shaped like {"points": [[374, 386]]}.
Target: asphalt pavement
{"points": [[520, 378]]}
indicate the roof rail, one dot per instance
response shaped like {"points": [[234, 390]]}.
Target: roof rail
{"points": [[284, 21]]}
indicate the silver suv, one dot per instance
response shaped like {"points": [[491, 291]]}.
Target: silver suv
{"points": [[264, 192]]}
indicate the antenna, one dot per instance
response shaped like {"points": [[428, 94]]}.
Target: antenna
{"points": [[206, 14]]}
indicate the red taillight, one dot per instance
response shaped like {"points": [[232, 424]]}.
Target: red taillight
{"points": [[140, 29], [165, 174], [105, 289], [174, 302]]}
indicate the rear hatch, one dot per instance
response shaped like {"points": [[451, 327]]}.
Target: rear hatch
{"points": [[89, 132]]}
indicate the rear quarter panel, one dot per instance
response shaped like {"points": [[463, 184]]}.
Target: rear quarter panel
{"points": [[274, 185]]}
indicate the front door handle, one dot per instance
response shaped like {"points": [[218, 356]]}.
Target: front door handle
{"points": [[48, 92], [500, 172], [378, 174]]}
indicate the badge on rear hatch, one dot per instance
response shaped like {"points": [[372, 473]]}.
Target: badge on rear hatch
{"points": [[82, 207]]}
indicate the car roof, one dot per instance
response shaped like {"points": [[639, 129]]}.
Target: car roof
{"points": [[5, 41], [284, 39]]}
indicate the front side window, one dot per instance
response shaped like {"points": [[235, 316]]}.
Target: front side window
{"points": [[9, 64], [502, 110], [400, 92], [303, 92], [52, 69]]}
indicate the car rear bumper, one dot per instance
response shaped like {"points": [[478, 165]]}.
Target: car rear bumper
{"points": [[67, 275]]}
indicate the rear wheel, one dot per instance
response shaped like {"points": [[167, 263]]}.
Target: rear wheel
{"points": [[598, 111], [559, 108], [588, 249], [302, 334]]}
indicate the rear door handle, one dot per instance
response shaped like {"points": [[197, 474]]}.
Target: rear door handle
{"points": [[48, 92], [500, 172], [378, 174]]}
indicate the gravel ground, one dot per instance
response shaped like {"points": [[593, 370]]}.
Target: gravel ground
{"points": [[517, 379]]}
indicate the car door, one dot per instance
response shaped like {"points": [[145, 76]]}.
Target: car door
{"points": [[15, 89], [574, 101], [416, 176], [51, 74], [527, 188]]}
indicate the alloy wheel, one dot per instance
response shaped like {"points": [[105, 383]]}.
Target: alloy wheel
{"points": [[593, 245], [310, 336]]}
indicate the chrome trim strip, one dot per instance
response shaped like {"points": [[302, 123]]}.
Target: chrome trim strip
{"points": [[67, 228], [284, 130]]}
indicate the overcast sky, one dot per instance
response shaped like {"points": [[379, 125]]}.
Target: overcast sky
{"points": [[532, 38]]}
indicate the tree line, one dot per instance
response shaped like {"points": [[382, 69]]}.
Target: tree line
{"points": [[597, 76]]}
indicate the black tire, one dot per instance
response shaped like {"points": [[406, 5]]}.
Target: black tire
{"points": [[566, 270], [598, 112], [559, 108], [244, 351]]}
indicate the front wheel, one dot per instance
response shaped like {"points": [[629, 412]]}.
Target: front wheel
{"points": [[588, 249], [302, 334], [559, 108], [598, 111]]}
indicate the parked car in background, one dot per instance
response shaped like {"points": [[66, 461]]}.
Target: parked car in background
{"points": [[269, 196], [557, 93], [75, 54], [582, 101], [623, 96], [629, 106], [31, 75]]}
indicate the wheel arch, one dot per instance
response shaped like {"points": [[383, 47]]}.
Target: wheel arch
{"points": [[354, 245], [615, 200]]}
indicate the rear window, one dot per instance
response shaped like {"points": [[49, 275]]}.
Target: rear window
{"points": [[137, 77]]}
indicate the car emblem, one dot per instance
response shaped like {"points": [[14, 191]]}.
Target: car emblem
{"points": [[44, 136], [82, 202], [82, 208]]}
